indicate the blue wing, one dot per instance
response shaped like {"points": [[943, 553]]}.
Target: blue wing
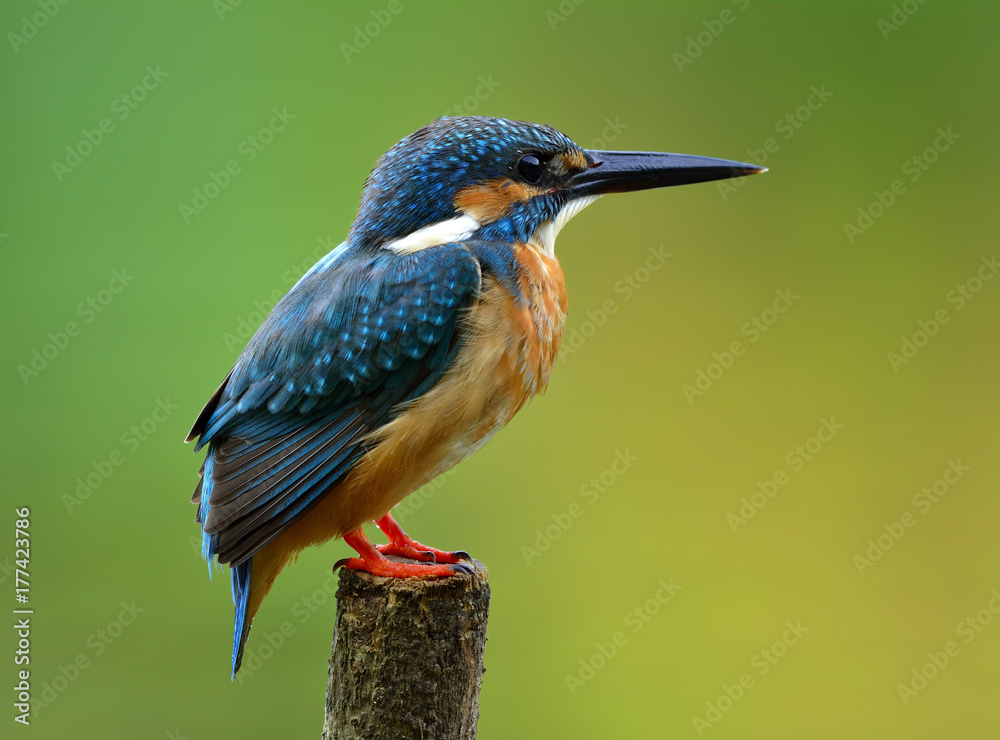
{"points": [[360, 334]]}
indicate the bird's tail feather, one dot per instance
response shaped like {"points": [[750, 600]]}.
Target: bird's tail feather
{"points": [[240, 574], [241, 597], [269, 562]]}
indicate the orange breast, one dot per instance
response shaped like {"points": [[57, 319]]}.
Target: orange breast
{"points": [[542, 315]]}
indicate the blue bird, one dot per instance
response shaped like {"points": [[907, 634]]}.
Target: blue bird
{"points": [[404, 349]]}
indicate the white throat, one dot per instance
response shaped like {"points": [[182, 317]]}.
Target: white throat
{"points": [[545, 237]]}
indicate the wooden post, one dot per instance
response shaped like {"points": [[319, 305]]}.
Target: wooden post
{"points": [[407, 657]]}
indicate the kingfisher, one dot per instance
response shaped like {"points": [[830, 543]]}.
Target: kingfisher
{"points": [[405, 349]]}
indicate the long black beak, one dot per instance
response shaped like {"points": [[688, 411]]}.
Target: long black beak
{"points": [[621, 172]]}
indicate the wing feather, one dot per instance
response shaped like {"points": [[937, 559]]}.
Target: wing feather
{"points": [[357, 337]]}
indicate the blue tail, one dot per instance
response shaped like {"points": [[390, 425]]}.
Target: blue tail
{"points": [[241, 597], [240, 574]]}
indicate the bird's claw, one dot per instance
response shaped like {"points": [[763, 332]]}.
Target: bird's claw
{"points": [[392, 569], [416, 551], [342, 563]]}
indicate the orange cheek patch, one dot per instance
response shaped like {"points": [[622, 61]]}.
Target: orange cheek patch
{"points": [[575, 161], [490, 200], [568, 163]]}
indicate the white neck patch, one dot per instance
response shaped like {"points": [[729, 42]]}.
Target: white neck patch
{"points": [[443, 232], [545, 237]]}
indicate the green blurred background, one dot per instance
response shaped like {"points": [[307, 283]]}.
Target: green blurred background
{"points": [[840, 97]]}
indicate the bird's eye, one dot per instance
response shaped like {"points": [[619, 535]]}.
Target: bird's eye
{"points": [[529, 167]]}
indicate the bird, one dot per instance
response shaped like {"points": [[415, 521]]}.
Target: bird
{"points": [[405, 349]]}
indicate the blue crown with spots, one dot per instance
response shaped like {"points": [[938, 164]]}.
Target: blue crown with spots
{"points": [[413, 184]]}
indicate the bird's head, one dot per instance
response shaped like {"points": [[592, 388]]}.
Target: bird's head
{"points": [[505, 180]]}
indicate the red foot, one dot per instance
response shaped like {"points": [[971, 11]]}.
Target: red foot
{"points": [[400, 543], [374, 562]]}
